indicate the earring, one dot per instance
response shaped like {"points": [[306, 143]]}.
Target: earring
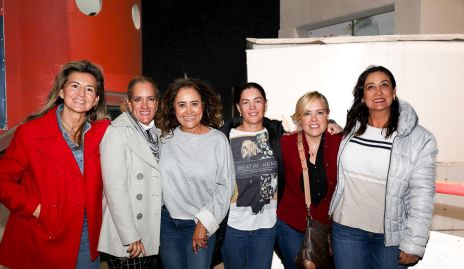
{"points": [[394, 98], [362, 100]]}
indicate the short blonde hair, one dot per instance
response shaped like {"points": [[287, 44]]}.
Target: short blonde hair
{"points": [[306, 99]]}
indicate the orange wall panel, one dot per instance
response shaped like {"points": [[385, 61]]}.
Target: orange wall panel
{"points": [[41, 35]]}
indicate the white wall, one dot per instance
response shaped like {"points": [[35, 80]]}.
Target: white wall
{"points": [[428, 73]]}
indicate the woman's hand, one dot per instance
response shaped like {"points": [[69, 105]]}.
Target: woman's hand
{"points": [[334, 128], [135, 249], [407, 259], [200, 237], [36, 213]]}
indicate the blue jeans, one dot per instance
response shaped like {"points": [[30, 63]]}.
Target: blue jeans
{"points": [[176, 244], [248, 249], [83, 259], [356, 248], [289, 242]]}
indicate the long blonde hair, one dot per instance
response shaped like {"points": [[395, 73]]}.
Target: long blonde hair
{"points": [[96, 113]]}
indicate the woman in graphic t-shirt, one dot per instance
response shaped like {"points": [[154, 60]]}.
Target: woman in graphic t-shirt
{"points": [[254, 139]]}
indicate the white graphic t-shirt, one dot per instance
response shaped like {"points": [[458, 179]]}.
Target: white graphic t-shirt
{"points": [[254, 202]]}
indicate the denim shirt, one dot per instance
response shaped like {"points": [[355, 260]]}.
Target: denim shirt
{"points": [[77, 151]]}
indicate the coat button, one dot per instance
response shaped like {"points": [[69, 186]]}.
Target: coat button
{"points": [[139, 196], [139, 176], [139, 216]]}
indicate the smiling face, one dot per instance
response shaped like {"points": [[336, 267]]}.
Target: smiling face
{"points": [[143, 103], [79, 93], [252, 106], [189, 110], [315, 118], [378, 92]]}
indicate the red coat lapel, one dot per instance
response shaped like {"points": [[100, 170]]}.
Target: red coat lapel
{"points": [[53, 146]]}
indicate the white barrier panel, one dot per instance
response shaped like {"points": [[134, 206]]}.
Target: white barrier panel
{"points": [[429, 75], [443, 251]]}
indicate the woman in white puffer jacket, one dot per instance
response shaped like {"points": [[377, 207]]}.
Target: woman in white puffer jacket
{"points": [[383, 203]]}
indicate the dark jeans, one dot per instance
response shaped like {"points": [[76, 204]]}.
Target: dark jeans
{"points": [[356, 248], [289, 242], [248, 249], [176, 244]]}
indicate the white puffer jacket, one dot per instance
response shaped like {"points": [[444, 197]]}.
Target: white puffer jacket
{"points": [[410, 186]]}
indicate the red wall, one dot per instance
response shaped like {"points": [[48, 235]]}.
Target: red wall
{"points": [[41, 35]]}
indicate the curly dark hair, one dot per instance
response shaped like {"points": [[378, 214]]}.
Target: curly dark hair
{"points": [[212, 107], [359, 111]]}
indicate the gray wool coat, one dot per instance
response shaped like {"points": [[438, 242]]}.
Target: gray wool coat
{"points": [[410, 185], [132, 190]]}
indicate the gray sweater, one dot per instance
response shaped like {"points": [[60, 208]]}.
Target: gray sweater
{"points": [[197, 176]]}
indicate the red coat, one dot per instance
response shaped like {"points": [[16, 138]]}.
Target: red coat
{"points": [[39, 167], [292, 207]]}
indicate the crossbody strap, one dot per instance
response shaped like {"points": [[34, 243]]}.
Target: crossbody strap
{"points": [[305, 171]]}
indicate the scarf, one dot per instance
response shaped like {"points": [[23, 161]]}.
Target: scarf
{"points": [[150, 135]]}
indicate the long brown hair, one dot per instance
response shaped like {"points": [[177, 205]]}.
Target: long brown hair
{"points": [[96, 113], [359, 111]]}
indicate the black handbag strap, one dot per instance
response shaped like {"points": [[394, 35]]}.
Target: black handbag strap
{"points": [[305, 171]]}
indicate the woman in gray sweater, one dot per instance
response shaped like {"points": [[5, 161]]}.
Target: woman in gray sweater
{"points": [[197, 173]]}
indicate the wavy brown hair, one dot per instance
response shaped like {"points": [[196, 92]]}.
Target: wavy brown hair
{"points": [[166, 118]]}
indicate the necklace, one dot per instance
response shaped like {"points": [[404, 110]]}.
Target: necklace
{"points": [[66, 127], [313, 151]]}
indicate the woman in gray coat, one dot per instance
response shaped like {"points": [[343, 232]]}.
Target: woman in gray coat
{"points": [[130, 152], [383, 202]]}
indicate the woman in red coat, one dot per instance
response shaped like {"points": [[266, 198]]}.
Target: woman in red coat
{"points": [[321, 148], [50, 176]]}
